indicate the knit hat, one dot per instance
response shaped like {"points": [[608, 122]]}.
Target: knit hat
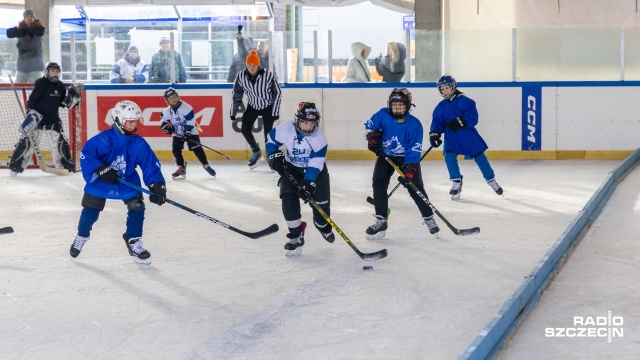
{"points": [[27, 13], [132, 47], [164, 38], [253, 58]]}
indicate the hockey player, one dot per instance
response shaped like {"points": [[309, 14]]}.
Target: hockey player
{"points": [[394, 133], [264, 95], [113, 154], [306, 147], [49, 94], [178, 119], [456, 116]]}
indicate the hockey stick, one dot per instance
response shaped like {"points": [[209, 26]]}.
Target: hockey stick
{"points": [[32, 140], [6, 230], [364, 256], [205, 146], [462, 232], [372, 202], [253, 235]]}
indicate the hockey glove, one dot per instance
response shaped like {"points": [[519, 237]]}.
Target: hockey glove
{"points": [[276, 162], [166, 128], [374, 141], [107, 174], [307, 189], [410, 170], [276, 118], [187, 134], [159, 190], [434, 138], [456, 124]]}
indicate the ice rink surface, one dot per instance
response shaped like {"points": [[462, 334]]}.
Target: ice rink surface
{"points": [[210, 293]]}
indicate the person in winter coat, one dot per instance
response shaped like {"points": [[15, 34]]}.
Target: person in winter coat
{"points": [[245, 45], [392, 67], [30, 60], [358, 67], [161, 64], [129, 69]]}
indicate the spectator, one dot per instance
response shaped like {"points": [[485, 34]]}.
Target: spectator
{"points": [[30, 61], [130, 69], [245, 44], [358, 67], [161, 64], [392, 68]]}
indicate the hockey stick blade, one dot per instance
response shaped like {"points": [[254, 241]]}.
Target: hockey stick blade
{"points": [[6, 230], [461, 232], [373, 256], [253, 235]]}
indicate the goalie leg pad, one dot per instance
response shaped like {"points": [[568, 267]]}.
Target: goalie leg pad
{"points": [[30, 122], [65, 153], [21, 155]]}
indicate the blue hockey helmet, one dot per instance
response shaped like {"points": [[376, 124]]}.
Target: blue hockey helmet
{"points": [[446, 82]]}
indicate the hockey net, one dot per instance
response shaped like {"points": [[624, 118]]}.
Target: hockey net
{"points": [[11, 118]]}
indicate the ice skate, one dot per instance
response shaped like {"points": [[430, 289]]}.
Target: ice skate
{"points": [[456, 188], [431, 225], [326, 232], [296, 242], [256, 159], [209, 169], [378, 229], [13, 173], [494, 185], [181, 172], [137, 252], [77, 245]]}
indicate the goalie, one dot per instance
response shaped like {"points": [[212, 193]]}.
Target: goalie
{"points": [[49, 94]]}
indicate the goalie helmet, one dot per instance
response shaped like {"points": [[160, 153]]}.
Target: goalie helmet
{"points": [[401, 95], [447, 86], [52, 66], [307, 111], [126, 116], [171, 91]]}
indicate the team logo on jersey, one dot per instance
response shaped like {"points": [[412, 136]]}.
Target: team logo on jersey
{"points": [[394, 146], [119, 164]]}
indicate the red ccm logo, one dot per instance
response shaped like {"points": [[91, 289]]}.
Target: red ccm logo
{"points": [[207, 111]]}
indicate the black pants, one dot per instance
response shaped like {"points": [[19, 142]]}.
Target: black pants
{"points": [[249, 118], [178, 145], [382, 173], [291, 202]]}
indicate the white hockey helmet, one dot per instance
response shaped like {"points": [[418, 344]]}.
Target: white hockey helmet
{"points": [[124, 112]]}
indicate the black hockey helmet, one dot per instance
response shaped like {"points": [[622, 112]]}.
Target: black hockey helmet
{"points": [[51, 66], [401, 95], [307, 111], [171, 91]]}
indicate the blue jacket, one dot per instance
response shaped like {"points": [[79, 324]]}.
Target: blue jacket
{"points": [[465, 141], [124, 153], [398, 139]]}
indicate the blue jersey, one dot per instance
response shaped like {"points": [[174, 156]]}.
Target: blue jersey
{"points": [[307, 152], [465, 141], [124, 153], [398, 139]]}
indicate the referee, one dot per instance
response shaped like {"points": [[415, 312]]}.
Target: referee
{"points": [[264, 95]]}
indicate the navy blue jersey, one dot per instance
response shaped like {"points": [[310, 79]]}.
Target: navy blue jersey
{"points": [[398, 139], [465, 141], [124, 153]]}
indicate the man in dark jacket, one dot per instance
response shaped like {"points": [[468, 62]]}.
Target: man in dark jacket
{"points": [[30, 61]]}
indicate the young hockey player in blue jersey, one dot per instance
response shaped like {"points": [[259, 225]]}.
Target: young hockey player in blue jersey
{"points": [[396, 134], [113, 154], [306, 147], [456, 116], [178, 119]]}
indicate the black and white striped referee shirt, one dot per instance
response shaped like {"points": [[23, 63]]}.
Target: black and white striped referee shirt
{"points": [[262, 91]]}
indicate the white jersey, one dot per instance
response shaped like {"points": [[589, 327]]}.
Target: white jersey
{"points": [[308, 152], [181, 119]]}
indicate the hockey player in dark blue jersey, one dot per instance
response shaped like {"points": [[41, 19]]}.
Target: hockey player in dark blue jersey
{"points": [[394, 133], [306, 147], [114, 154], [456, 117]]}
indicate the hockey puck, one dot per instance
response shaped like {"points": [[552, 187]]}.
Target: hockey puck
{"points": [[367, 268]]}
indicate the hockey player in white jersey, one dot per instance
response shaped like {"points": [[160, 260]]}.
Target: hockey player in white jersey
{"points": [[306, 149], [178, 119]]}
